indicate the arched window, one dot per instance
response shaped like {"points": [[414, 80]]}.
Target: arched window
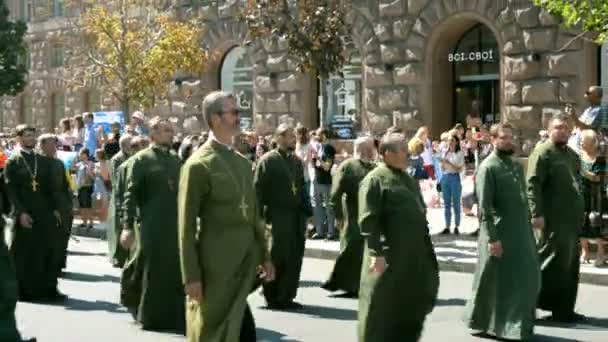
{"points": [[236, 77], [476, 72]]}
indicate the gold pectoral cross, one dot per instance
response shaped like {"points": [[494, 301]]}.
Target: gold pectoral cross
{"points": [[294, 189], [244, 207], [34, 185]]}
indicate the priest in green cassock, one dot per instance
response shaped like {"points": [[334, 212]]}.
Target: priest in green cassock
{"points": [[557, 209], [507, 277], [344, 199], [32, 192], [8, 282], [221, 236], [279, 181], [48, 147], [399, 276], [151, 198], [116, 253]]}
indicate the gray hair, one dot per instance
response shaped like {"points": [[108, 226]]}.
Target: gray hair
{"points": [[359, 142], [281, 129], [391, 142], [213, 104], [125, 142], [45, 138], [597, 90]]}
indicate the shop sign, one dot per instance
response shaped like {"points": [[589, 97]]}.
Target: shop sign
{"points": [[473, 56], [342, 127]]}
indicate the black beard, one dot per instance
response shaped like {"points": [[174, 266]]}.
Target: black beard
{"points": [[560, 143], [505, 152]]}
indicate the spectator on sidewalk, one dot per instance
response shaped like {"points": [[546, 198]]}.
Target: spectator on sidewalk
{"points": [[323, 162], [452, 164]]}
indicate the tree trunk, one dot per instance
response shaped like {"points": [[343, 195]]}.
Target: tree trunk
{"points": [[324, 113], [125, 105]]}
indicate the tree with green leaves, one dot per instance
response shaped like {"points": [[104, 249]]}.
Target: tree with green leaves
{"points": [[316, 32], [13, 49], [590, 15]]}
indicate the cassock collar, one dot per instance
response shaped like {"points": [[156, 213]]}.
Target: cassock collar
{"points": [[24, 151], [394, 169], [214, 142]]}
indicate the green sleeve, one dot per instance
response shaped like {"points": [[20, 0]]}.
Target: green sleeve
{"points": [[260, 233], [259, 183], [370, 213], [338, 186], [537, 175], [193, 189], [12, 189], [130, 200], [485, 186], [57, 187]]}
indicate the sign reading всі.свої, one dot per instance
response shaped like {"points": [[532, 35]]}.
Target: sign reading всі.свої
{"points": [[473, 56]]}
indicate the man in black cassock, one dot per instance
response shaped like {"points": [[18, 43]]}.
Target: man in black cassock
{"points": [[32, 192]]}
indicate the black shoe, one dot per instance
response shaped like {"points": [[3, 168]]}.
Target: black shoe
{"points": [[570, 318], [456, 231], [317, 236], [31, 339], [446, 231], [294, 306], [474, 234], [55, 296]]}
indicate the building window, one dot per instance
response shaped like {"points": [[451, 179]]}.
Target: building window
{"points": [[236, 77], [56, 56], [58, 8], [27, 10], [91, 101], [57, 108], [25, 109]]}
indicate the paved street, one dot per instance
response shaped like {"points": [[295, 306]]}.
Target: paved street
{"points": [[92, 313]]}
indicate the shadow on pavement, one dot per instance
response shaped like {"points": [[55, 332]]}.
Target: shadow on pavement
{"points": [[76, 304], [545, 338], [451, 302], [592, 323], [329, 312], [86, 277], [265, 335], [81, 253], [310, 283]]}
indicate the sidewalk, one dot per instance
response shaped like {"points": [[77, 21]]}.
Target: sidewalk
{"points": [[457, 254]]}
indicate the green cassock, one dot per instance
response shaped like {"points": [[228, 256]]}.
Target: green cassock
{"points": [[278, 181], [65, 207], [505, 289], [8, 283], [392, 217], [151, 197], [35, 250], [224, 250], [115, 252], [344, 199], [553, 193]]}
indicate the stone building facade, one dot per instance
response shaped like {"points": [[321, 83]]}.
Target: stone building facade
{"points": [[418, 62]]}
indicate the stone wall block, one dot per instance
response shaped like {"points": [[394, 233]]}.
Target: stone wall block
{"points": [[506, 16], [401, 28], [265, 123], [511, 32], [408, 121], [276, 63], [392, 53], [422, 27], [518, 68], [372, 59], [409, 74], [377, 77], [415, 6], [563, 64], [259, 56], [450, 5], [378, 123], [539, 40], [523, 117], [414, 55], [392, 9], [371, 99], [546, 19], [513, 47], [539, 92], [548, 113], [383, 32], [209, 13], [567, 91], [416, 41], [287, 119], [433, 13], [568, 43], [413, 99], [263, 84], [259, 102], [295, 105], [512, 93], [288, 82], [527, 17], [282, 43], [277, 103], [390, 99], [229, 10]]}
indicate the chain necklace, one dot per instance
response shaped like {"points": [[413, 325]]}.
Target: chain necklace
{"points": [[33, 173], [240, 187], [290, 175]]}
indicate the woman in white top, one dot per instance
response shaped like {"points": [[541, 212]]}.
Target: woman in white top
{"points": [[66, 139], [452, 164]]}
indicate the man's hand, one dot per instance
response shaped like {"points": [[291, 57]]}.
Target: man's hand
{"points": [[495, 249], [127, 238], [569, 110], [194, 291], [57, 216], [538, 222], [268, 272], [378, 265], [25, 220]]}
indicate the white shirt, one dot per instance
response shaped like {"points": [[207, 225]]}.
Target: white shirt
{"points": [[427, 154], [455, 158]]}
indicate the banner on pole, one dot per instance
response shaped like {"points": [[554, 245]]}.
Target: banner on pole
{"points": [[105, 119]]}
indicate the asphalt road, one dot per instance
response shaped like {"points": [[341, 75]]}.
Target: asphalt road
{"points": [[92, 313]]}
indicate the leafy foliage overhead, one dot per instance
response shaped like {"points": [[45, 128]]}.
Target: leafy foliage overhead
{"points": [[13, 52], [590, 15], [315, 31]]}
